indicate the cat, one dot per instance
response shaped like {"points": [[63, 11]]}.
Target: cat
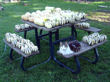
{"points": [[64, 49]]}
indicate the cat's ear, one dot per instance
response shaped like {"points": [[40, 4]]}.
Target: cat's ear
{"points": [[61, 43]]}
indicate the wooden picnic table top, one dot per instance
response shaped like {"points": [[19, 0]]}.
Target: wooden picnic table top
{"points": [[50, 29], [19, 51], [44, 28], [85, 47]]}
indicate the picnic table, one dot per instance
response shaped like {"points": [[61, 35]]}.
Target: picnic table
{"points": [[55, 30], [52, 20]]}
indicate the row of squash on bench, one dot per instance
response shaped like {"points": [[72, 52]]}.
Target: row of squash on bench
{"points": [[82, 25], [65, 48]]}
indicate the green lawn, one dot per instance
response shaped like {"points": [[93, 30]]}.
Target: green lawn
{"points": [[51, 72]]}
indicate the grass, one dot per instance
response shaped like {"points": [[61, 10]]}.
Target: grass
{"points": [[51, 72]]}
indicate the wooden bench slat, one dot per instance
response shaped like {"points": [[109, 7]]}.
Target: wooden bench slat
{"points": [[90, 29], [85, 48], [19, 51]]}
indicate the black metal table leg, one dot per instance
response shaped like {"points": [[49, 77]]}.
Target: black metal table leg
{"points": [[41, 32], [96, 57], [89, 33], [25, 34], [22, 64], [37, 38], [77, 64], [57, 34], [11, 54], [51, 45], [73, 32]]}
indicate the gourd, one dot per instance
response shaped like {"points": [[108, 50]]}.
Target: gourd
{"points": [[24, 45], [22, 26], [82, 25], [94, 38], [51, 17]]}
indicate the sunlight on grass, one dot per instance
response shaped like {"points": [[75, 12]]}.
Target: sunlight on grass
{"points": [[16, 16], [36, 8], [35, 4], [25, 1], [69, 2], [99, 16], [99, 2]]}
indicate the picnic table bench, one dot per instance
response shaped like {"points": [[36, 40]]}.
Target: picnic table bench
{"points": [[90, 29], [83, 49], [19, 51], [23, 55]]}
